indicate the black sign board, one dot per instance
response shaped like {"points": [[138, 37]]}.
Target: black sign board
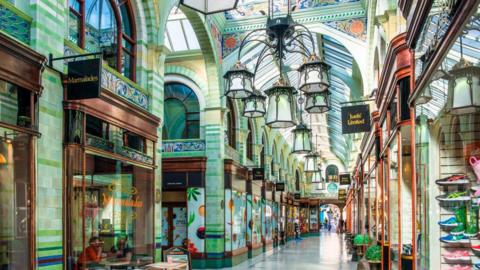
{"points": [[280, 186], [344, 179], [342, 194], [258, 174], [84, 79], [172, 180], [355, 119], [296, 196]]}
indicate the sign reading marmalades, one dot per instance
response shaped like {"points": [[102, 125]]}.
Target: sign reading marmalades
{"points": [[258, 174], [344, 179], [355, 119], [84, 79]]}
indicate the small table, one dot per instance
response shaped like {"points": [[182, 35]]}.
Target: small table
{"points": [[116, 265], [166, 265]]}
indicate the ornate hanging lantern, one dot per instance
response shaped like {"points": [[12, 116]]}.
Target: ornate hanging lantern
{"points": [[311, 163], [302, 139], [464, 88], [238, 82], [254, 105], [281, 105], [318, 102], [425, 96], [318, 180], [210, 6], [314, 75]]}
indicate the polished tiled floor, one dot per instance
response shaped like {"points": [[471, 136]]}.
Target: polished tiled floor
{"points": [[327, 252]]}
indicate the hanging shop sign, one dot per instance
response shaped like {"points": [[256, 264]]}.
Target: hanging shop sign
{"points": [[344, 179], [280, 186], [297, 196], [258, 174], [342, 194], [84, 79], [355, 119]]}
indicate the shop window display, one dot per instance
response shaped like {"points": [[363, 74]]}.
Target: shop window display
{"points": [[393, 203], [111, 216], [447, 155], [255, 223], [235, 220], [15, 200]]}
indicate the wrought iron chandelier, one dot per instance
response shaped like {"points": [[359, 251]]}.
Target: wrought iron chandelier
{"points": [[282, 36]]}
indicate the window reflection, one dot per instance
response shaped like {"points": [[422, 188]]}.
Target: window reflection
{"points": [[14, 200], [111, 213]]}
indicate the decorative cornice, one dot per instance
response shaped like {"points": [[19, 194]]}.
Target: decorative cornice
{"points": [[323, 14]]}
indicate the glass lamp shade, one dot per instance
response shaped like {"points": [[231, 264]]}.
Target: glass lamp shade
{"points": [[210, 6], [425, 96], [314, 76], [311, 163], [464, 88], [254, 105], [317, 177], [238, 82], [302, 139], [318, 102], [281, 106]]}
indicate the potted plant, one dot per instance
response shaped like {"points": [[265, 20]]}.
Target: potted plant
{"points": [[373, 255]]}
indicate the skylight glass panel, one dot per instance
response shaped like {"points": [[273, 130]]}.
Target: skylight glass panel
{"points": [[177, 36], [180, 35], [190, 35]]}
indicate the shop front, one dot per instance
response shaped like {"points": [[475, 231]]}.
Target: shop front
{"points": [[237, 222], [183, 204], [111, 196], [446, 102], [20, 88], [255, 217]]}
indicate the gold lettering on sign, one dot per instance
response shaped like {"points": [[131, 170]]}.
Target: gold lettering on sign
{"points": [[355, 119], [82, 79], [122, 202]]}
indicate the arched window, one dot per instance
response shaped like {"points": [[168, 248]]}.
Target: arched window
{"points": [[250, 141], [331, 173], [231, 125], [181, 112], [106, 26]]}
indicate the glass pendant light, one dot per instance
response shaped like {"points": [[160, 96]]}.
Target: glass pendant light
{"points": [[302, 139], [302, 135], [210, 6], [281, 105], [314, 75], [238, 82], [425, 96], [318, 180], [311, 159], [311, 163], [464, 86], [254, 105], [318, 102]]}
